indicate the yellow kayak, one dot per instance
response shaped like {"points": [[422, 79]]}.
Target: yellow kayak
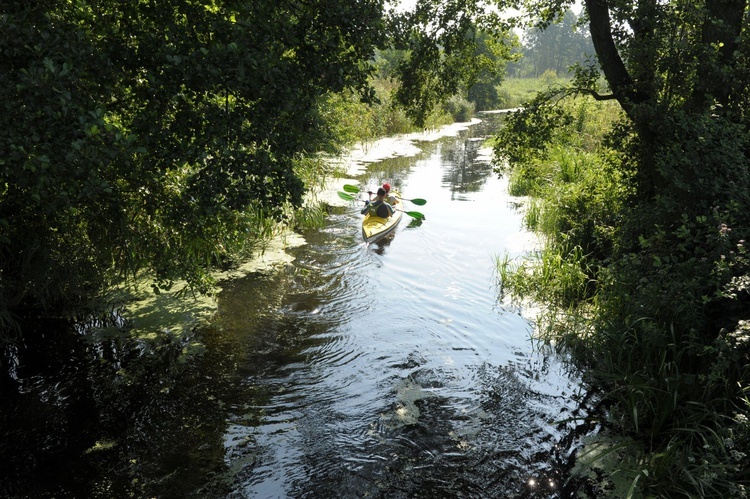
{"points": [[375, 227]]}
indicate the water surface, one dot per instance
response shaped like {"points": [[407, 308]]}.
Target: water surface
{"points": [[345, 370], [389, 369]]}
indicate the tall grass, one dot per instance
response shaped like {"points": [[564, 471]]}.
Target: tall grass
{"points": [[514, 92], [638, 322], [556, 278]]}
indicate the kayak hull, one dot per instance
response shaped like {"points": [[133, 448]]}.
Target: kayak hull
{"points": [[374, 227]]}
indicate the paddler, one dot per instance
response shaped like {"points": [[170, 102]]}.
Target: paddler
{"points": [[378, 207], [389, 198]]}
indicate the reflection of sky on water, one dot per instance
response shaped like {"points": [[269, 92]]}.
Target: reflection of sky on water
{"points": [[389, 369]]}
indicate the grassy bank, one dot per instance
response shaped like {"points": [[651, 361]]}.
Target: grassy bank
{"points": [[514, 92], [649, 296]]}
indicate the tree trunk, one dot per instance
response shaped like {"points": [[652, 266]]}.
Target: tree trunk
{"points": [[629, 93], [614, 69]]}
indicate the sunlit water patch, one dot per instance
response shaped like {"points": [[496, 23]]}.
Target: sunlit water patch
{"points": [[325, 367], [389, 369]]}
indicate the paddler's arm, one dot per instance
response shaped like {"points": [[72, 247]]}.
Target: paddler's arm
{"points": [[390, 209]]}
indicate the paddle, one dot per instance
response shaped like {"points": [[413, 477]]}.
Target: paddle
{"points": [[417, 201], [413, 214], [346, 197]]}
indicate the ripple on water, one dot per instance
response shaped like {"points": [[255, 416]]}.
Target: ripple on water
{"points": [[388, 370]]}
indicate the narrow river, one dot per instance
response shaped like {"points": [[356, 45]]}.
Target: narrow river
{"points": [[388, 370], [391, 370]]}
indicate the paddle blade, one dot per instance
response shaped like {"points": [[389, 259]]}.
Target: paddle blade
{"points": [[418, 201], [351, 188], [415, 214], [346, 197]]}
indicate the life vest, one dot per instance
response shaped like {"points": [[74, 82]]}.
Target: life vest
{"points": [[381, 209]]}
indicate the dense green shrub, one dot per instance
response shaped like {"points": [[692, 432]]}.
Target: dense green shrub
{"points": [[459, 108], [136, 138], [651, 294], [485, 96], [348, 120]]}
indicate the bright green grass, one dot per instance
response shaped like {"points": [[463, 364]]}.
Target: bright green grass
{"points": [[515, 91]]}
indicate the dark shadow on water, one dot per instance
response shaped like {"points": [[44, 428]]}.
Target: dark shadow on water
{"points": [[101, 414], [379, 246], [47, 410], [93, 411]]}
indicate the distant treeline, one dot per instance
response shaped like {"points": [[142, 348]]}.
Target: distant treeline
{"points": [[561, 45]]}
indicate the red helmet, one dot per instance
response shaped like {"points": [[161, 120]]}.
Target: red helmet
{"points": [[387, 186]]}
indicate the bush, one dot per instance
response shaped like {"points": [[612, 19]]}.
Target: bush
{"points": [[459, 108], [650, 294], [484, 96]]}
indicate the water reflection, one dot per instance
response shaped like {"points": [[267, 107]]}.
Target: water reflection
{"points": [[382, 370], [462, 172], [388, 369], [381, 244]]}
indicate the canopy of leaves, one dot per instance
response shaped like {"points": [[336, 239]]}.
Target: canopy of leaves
{"points": [[448, 46], [556, 48], [146, 133]]}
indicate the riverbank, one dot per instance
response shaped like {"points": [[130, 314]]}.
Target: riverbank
{"points": [[178, 312]]}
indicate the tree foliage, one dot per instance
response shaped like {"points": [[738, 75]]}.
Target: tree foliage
{"points": [[561, 45], [493, 55], [449, 48], [679, 71], [152, 134], [664, 329]]}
